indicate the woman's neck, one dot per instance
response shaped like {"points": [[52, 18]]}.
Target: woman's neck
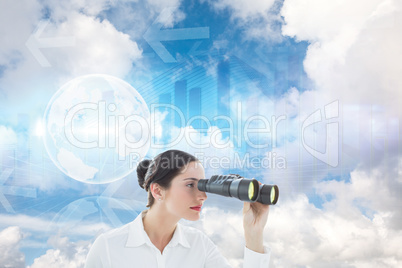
{"points": [[159, 226]]}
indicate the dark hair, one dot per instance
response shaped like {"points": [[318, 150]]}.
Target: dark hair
{"points": [[162, 169]]}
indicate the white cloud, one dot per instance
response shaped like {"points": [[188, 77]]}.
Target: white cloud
{"points": [[352, 57], [367, 135], [26, 86], [224, 228], [16, 20], [158, 6], [357, 225], [257, 18], [9, 247], [41, 226], [334, 19], [307, 236], [161, 4], [243, 9], [284, 117], [99, 47], [62, 10], [7, 135], [371, 189], [355, 48], [65, 254]]}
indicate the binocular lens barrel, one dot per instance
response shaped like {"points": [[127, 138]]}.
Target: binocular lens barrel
{"points": [[269, 194], [244, 189]]}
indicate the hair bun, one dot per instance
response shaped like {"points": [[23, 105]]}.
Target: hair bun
{"points": [[142, 171]]}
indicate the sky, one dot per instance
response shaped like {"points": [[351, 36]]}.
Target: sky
{"points": [[303, 94]]}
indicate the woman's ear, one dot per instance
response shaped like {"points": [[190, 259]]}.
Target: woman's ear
{"points": [[157, 191]]}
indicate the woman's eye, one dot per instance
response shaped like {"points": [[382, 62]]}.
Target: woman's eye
{"points": [[190, 185]]}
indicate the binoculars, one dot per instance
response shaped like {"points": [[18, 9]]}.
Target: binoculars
{"points": [[238, 187]]}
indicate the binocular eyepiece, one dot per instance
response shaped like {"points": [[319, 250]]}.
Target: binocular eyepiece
{"points": [[238, 187]]}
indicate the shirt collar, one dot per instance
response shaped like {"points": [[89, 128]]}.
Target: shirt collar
{"points": [[137, 235]]}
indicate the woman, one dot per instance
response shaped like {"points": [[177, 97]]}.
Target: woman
{"points": [[157, 239]]}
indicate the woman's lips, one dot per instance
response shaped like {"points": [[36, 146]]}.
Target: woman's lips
{"points": [[198, 208]]}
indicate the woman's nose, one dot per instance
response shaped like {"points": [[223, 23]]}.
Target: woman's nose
{"points": [[202, 195]]}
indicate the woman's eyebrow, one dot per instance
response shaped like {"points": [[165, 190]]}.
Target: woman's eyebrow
{"points": [[192, 179]]}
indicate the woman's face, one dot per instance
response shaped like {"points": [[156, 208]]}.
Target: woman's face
{"points": [[183, 199]]}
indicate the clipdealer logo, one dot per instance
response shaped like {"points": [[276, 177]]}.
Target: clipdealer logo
{"points": [[109, 125], [236, 136]]}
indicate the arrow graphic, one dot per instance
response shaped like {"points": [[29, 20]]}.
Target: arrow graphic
{"points": [[194, 50], [35, 42], [154, 35], [12, 190]]}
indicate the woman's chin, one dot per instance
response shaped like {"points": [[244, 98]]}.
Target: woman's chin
{"points": [[195, 217]]}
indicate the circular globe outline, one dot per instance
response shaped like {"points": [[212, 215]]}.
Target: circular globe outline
{"points": [[63, 223], [59, 92]]}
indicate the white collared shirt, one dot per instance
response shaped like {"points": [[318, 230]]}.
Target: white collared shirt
{"points": [[130, 246]]}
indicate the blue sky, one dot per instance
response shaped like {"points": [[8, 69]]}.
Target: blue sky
{"points": [[311, 90]]}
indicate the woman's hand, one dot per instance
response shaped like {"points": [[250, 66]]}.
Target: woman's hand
{"points": [[255, 216]]}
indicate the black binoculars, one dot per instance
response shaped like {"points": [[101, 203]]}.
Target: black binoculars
{"points": [[238, 187]]}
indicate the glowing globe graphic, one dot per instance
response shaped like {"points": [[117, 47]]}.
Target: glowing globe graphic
{"points": [[97, 128]]}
